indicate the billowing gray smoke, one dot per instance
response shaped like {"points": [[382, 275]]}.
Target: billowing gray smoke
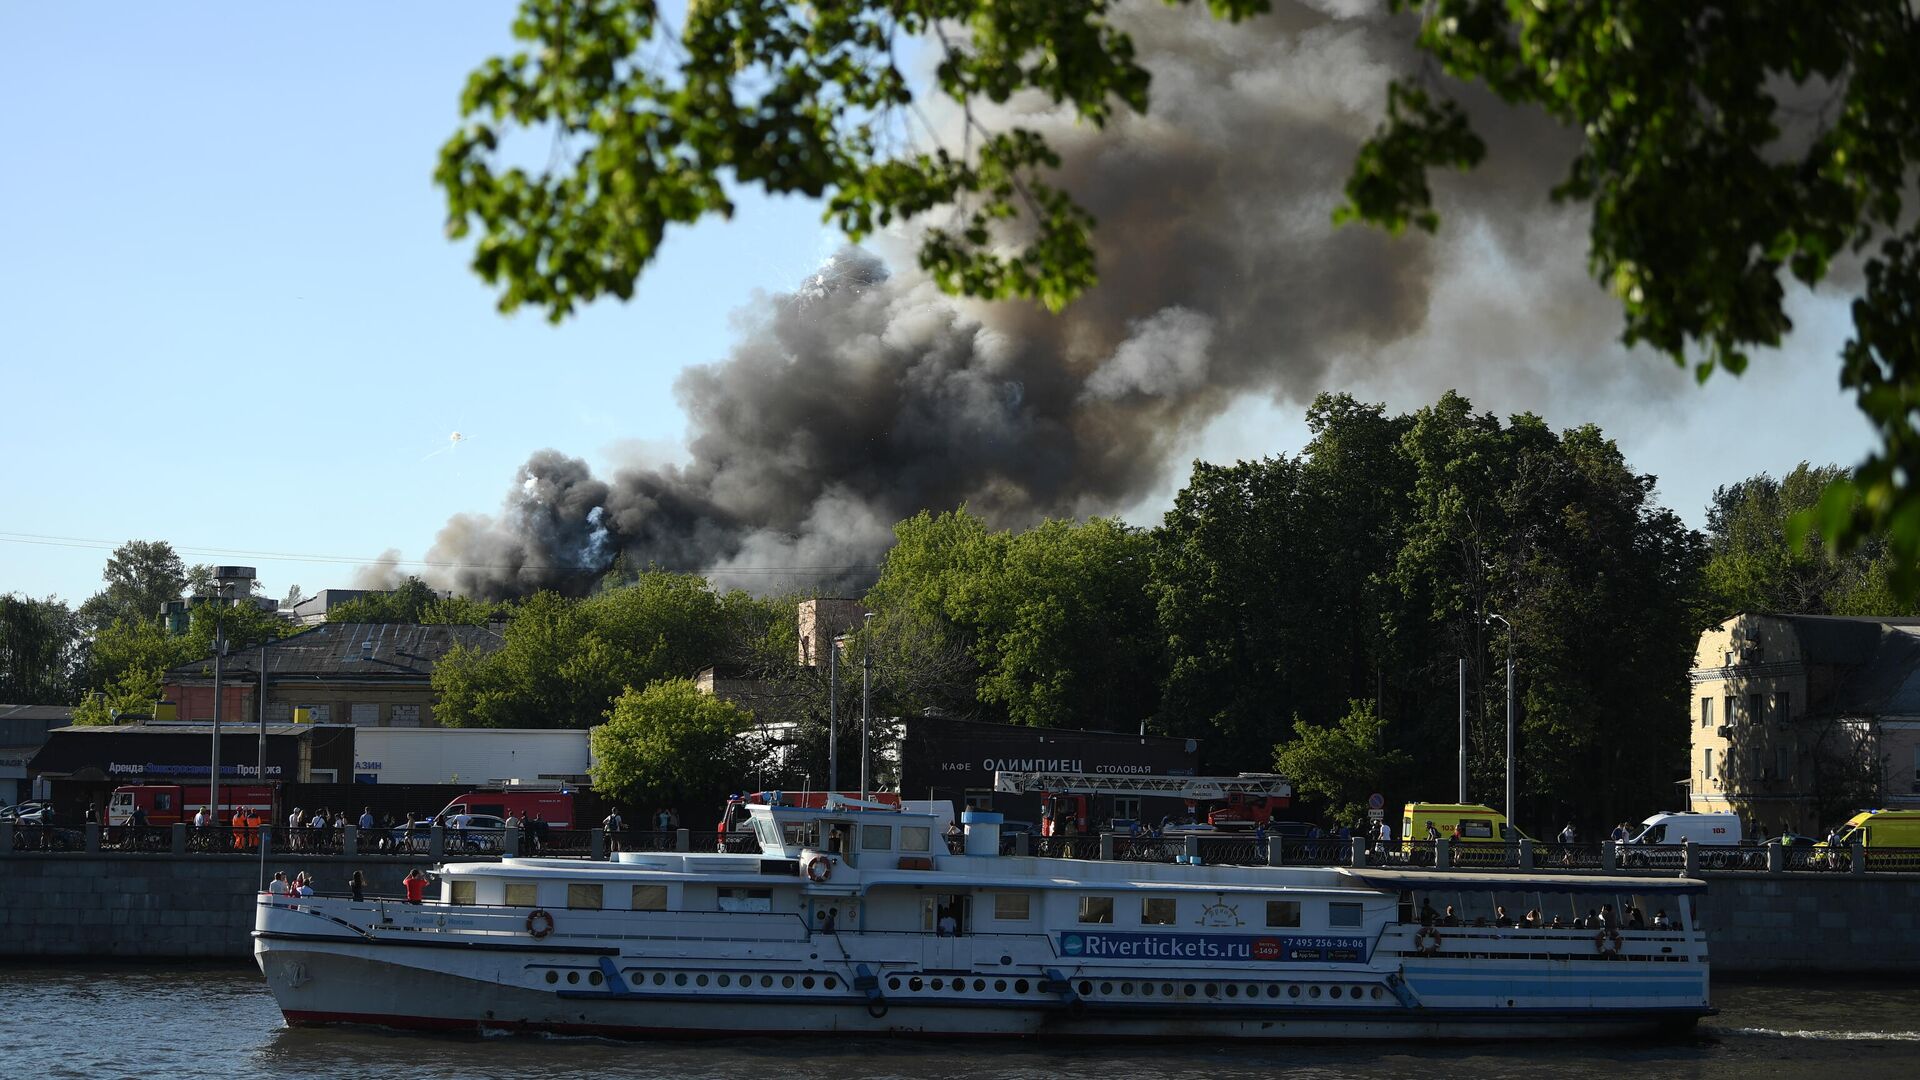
{"points": [[863, 397]]}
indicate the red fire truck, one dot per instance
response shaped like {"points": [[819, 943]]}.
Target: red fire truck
{"points": [[166, 804], [551, 805]]}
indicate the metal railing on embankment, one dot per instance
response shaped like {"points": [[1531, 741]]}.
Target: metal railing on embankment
{"points": [[1214, 849]]}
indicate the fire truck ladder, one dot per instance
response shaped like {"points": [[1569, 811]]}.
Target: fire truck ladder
{"points": [[1181, 787]]}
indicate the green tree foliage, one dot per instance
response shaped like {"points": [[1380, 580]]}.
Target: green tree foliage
{"points": [[1754, 564], [1055, 620], [669, 743], [1723, 148], [649, 124], [565, 660], [128, 657], [414, 601], [142, 577], [1342, 763], [39, 649]]}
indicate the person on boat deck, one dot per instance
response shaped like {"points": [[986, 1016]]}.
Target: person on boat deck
{"points": [[1428, 916], [416, 885], [830, 923], [1532, 920], [1450, 919], [278, 886], [1660, 920], [1500, 917], [948, 926], [1635, 920], [1607, 921], [1558, 923]]}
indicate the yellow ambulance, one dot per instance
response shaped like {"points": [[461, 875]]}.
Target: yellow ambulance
{"points": [[1483, 832], [1891, 839]]}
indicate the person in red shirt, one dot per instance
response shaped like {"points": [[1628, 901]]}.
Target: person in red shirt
{"points": [[416, 885]]}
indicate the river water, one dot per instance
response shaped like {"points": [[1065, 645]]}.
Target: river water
{"points": [[101, 1021]]}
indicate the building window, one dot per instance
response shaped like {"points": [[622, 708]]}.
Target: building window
{"points": [[876, 838], [403, 716], [1727, 710], [1283, 913], [1343, 915], [1011, 906], [1756, 708], [1126, 807], [1781, 712], [1706, 765], [584, 897], [365, 714], [978, 800], [462, 891], [522, 894], [649, 898], [1156, 911], [1706, 712], [1096, 909], [1783, 763]]}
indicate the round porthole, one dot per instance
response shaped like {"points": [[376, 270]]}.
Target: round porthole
{"points": [[1378, 993], [1333, 991], [1356, 992], [726, 980], [1212, 990], [573, 977], [700, 980], [914, 984], [1273, 990], [999, 986], [1126, 988], [937, 985], [830, 983], [786, 981], [1313, 991], [893, 984], [659, 979], [1106, 988], [594, 978], [766, 982], [1085, 988], [1293, 991], [1190, 989], [553, 976], [806, 983], [959, 986], [979, 985], [680, 979], [1232, 990], [1020, 986], [1166, 989], [1146, 989]]}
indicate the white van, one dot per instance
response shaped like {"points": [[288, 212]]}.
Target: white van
{"points": [[1670, 830]]}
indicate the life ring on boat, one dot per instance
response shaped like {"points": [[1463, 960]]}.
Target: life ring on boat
{"points": [[876, 1009], [1427, 941], [819, 869], [539, 924], [1607, 942]]}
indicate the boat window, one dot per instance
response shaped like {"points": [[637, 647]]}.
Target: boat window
{"points": [[1156, 911], [916, 838], [801, 834], [586, 897], [1012, 906], [746, 900], [649, 898], [1283, 913], [876, 838], [768, 832], [1096, 909], [462, 892], [521, 894], [1342, 914]]}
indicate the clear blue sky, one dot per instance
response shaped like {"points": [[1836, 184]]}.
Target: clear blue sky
{"points": [[230, 318]]}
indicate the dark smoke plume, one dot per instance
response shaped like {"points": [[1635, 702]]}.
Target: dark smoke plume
{"points": [[863, 397]]}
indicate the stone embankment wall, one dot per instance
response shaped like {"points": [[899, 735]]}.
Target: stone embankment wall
{"points": [[1816, 923], [156, 906], [78, 905]]}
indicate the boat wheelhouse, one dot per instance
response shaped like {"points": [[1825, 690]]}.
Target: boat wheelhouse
{"points": [[860, 919]]}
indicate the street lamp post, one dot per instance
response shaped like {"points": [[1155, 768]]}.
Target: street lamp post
{"points": [[866, 701], [219, 655], [1510, 714], [833, 713]]}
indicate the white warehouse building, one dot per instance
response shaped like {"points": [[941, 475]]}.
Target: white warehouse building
{"points": [[480, 756]]}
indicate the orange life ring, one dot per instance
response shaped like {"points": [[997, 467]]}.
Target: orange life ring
{"points": [[819, 869], [539, 923], [1607, 942], [1427, 941]]}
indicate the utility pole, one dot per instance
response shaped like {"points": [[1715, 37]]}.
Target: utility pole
{"points": [[1463, 729], [213, 774], [1512, 712], [833, 713], [866, 701]]}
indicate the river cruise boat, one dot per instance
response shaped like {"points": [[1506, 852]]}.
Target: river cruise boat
{"points": [[856, 919]]}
